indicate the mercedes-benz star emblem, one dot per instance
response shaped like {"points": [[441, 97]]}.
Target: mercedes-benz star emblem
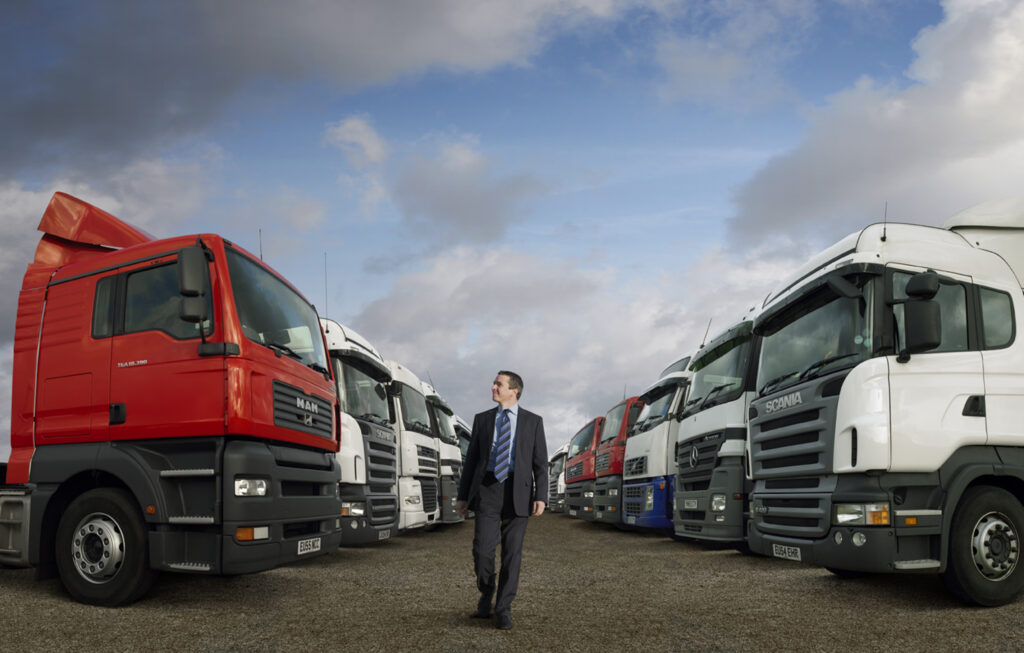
{"points": [[693, 457]]}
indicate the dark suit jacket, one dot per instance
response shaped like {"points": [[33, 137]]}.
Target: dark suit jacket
{"points": [[531, 467]]}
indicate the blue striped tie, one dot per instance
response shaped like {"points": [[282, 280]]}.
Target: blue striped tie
{"points": [[502, 447]]}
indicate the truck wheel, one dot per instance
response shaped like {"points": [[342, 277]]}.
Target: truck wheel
{"points": [[102, 549], [984, 548]]}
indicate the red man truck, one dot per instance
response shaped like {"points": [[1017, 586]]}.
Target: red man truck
{"points": [[579, 470], [172, 410]]}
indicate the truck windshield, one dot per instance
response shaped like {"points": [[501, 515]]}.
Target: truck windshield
{"points": [[613, 422], [582, 441], [656, 410], [362, 396], [274, 315], [557, 465], [718, 376], [414, 410], [821, 334], [444, 425]]}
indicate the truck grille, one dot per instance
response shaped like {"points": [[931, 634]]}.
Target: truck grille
{"points": [[381, 462], [429, 487], [427, 461], [296, 410], [635, 466], [601, 464], [384, 510], [695, 461], [574, 472], [632, 508]]}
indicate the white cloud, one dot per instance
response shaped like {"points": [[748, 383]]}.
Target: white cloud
{"points": [[577, 335], [952, 138], [454, 194], [360, 142], [728, 53]]}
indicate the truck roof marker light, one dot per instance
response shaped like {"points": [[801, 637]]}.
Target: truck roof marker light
{"points": [[150, 509]]}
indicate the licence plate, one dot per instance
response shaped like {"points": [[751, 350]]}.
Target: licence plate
{"points": [[787, 552], [572, 513], [384, 534], [630, 520], [689, 504], [309, 546]]}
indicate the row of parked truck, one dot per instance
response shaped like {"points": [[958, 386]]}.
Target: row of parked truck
{"points": [[867, 416], [179, 406]]}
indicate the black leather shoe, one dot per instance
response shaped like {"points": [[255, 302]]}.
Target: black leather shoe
{"points": [[503, 622], [483, 608]]}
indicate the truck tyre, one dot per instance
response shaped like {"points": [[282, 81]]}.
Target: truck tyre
{"points": [[984, 565], [102, 549]]}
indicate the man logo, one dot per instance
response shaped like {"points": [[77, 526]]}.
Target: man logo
{"points": [[693, 457], [306, 405]]}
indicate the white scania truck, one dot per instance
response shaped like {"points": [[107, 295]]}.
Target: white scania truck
{"points": [[649, 473], [712, 482], [443, 427], [887, 434], [418, 451], [368, 452], [556, 479]]}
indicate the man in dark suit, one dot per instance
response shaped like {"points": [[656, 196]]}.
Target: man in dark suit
{"points": [[504, 481]]}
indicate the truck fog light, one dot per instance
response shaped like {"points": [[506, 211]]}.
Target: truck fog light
{"points": [[717, 503], [649, 500], [251, 533], [353, 508], [720, 518], [838, 537], [250, 487], [859, 539], [589, 494], [613, 492]]}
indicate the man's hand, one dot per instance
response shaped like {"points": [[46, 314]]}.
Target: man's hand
{"points": [[462, 507], [538, 508]]}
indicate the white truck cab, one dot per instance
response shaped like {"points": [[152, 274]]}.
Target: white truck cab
{"points": [[418, 451]]}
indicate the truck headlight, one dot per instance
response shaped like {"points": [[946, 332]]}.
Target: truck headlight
{"points": [[353, 508], [412, 500], [251, 487], [649, 499], [717, 503], [613, 492], [861, 514], [589, 494]]}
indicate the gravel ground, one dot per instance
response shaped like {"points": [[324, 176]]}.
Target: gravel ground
{"points": [[585, 587]]}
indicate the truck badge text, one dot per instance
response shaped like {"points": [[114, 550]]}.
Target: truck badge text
{"points": [[788, 401]]}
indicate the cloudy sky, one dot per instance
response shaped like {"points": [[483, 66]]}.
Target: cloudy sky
{"points": [[571, 189]]}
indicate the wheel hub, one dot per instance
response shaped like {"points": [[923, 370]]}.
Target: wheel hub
{"points": [[995, 546], [97, 548]]}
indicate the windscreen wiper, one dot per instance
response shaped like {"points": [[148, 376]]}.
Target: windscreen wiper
{"points": [[814, 367], [774, 382], [285, 349], [715, 390]]}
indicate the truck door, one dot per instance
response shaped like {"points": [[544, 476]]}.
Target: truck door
{"points": [[929, 395], [74, 361], [159, 384]]}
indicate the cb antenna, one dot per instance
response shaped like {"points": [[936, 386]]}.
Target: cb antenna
{"points": [[885, 219], [706, 331], [261, 244]]}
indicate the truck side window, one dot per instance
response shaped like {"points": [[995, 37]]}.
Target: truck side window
{"points": [[152, 302], [952, 299], [996, 318], [103, 308]]}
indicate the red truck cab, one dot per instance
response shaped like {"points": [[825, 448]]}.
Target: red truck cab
{"points": [[173, 410], [579, 470], [608, 461]]}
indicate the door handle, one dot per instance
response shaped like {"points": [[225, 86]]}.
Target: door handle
{"points": [[118, 414]]}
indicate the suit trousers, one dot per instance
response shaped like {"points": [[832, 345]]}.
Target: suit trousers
{"points": [[496, 520]]}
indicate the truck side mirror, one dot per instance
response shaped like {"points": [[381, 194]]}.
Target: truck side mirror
{"points": [[924, 325], [923, 285], [192, 270]]}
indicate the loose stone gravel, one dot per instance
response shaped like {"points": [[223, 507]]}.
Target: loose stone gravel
{"points": [[584, 587]]}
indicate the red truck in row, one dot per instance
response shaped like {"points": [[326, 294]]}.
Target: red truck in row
{"points": [[173, 409]]}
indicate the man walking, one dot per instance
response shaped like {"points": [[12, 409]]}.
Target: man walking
{"points": [[504, 480]]}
